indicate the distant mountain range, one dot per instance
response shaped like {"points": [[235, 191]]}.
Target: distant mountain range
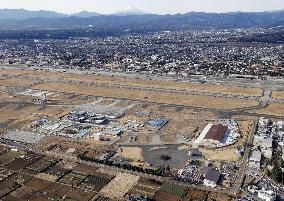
{"points": [[26, 14], [21, 14], [85, 14], [135, 20]]}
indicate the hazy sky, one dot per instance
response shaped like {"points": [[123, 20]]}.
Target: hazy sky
{"points": [[151, 6]]}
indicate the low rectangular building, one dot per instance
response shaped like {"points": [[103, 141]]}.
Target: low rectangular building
{"points": [[215, 134]]}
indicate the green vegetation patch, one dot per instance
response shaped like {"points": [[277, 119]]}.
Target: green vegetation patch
{"points": [[174, 189], [9, 156]]}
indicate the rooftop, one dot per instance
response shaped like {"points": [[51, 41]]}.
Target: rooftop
{"points": [[216, 132]]}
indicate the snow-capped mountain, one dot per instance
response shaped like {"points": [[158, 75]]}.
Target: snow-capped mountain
{"points": [[130, 11]]}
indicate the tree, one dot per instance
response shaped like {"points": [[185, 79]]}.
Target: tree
{"points": [[276, 173], [266, 171]]}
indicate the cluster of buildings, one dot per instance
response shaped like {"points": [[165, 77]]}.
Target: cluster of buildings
{"points": [[180, 53], [197, 174], [262, 193], [267, 141]]}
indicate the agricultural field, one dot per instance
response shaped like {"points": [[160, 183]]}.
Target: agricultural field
{"points": [[7, 185], [164, 196], [57, 171], [195, 195], [79, 194], [146, 187], [84, 169], [120, 185], [42, 164], [218, 196], [17, 164], [174, 189], [38, 184], [170, 192], [95, 182], [72, 179], [9, 156]]}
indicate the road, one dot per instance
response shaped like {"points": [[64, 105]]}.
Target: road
{"points": [[244, 164]]}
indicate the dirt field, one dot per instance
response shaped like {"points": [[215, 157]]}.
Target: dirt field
{"points": [[278, 94], [12, 111], [220, 154], [134, 153], [54, 112], [166, 98], [141, 82], [120, 185], [195, 195], [276, 109], [164, 196], [15, 82], [70, 99]]}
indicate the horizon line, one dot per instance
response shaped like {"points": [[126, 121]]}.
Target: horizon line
{"points": [[142, 11]]}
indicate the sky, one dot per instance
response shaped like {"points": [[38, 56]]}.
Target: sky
{"points": [[149, 6]]}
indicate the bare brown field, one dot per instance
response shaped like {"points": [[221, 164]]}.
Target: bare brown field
{"points": [[29, 72], [218, 154], [70, 99], [134, 153], [276, 109], [13, 112], [5, 96], [16, 82], [140, 82], [54, 112], [159, 97], [278, 94]]}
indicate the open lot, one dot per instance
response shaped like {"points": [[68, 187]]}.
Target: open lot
{"points": [[223, 154], [158, 97], [134, 153], [154, 155]]}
